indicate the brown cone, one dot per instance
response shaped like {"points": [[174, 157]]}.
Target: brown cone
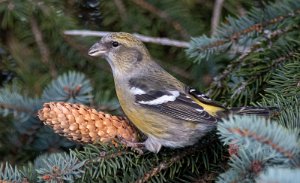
{"points": [[84, 124]]}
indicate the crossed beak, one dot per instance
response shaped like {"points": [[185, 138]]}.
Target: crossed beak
{"points": [[97, 49]]}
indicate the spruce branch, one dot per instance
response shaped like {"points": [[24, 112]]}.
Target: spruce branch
{"points": [[242, 33], [56, 167], [59, 167], [241, 87], [69, 87], [262, 140], [243, 79], [290, 109], [255, 72], [10, 174], [258, 154], [12, 102], [104, 161], [279, 174], [247, 165], [104, 155], [286, 78], [177, 157], [218, 81], [244, 130]]}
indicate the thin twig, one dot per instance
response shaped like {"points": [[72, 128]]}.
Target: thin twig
{"points": [[163, 15], [105, 156], [161, 41], [122, 10], [164, 165], [215, 19], [44, 51], [16, 108]]}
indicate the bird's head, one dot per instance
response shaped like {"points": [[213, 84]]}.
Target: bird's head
{"points": [[123, 51]]}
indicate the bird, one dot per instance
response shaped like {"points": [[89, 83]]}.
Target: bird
{"points": [[169, 112]]}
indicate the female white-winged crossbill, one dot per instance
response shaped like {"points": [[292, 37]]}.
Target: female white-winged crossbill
{"points": [[167, 111]]}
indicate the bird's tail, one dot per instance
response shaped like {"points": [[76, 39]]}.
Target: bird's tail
{"points": [[259, 111]]}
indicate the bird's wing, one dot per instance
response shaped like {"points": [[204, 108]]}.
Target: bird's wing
{"points": [[207, 103], [171, 102]]}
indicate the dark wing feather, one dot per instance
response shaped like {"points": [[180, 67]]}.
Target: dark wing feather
{"points": [[182, 108], [202, 97]]}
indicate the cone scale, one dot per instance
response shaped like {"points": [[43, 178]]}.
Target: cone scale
{"points": [[83, 124]]}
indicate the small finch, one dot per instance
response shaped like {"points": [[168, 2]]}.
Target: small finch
{"points": [[167, 111]]}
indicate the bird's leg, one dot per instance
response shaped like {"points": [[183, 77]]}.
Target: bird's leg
{"points": [[135, 146], [152, 144]]}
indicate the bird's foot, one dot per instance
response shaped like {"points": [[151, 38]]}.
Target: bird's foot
{"points": [[135, 146]]}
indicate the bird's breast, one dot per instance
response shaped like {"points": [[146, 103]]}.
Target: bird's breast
{"points": [[143, 119]]}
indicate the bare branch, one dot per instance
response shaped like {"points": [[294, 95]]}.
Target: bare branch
{"points": [[44, 51], [16, 108], [148, 39], [215, 19]]}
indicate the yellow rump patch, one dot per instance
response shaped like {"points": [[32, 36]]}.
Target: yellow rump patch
{"points": [[210, 109]]}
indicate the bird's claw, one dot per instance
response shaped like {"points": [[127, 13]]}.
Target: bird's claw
{"points": [[135, 146]]}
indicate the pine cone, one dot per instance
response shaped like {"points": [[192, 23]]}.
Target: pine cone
{"points": [[84, 124]]}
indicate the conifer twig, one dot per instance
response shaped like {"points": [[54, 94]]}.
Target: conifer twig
{"points": [[263, 140], [105, 155], [217, 81], [44, 51], [16, 108], [257, 27], [156, 40], [242, 86]]}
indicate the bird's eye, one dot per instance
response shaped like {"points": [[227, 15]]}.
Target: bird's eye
{"points": [[115, 44]]}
